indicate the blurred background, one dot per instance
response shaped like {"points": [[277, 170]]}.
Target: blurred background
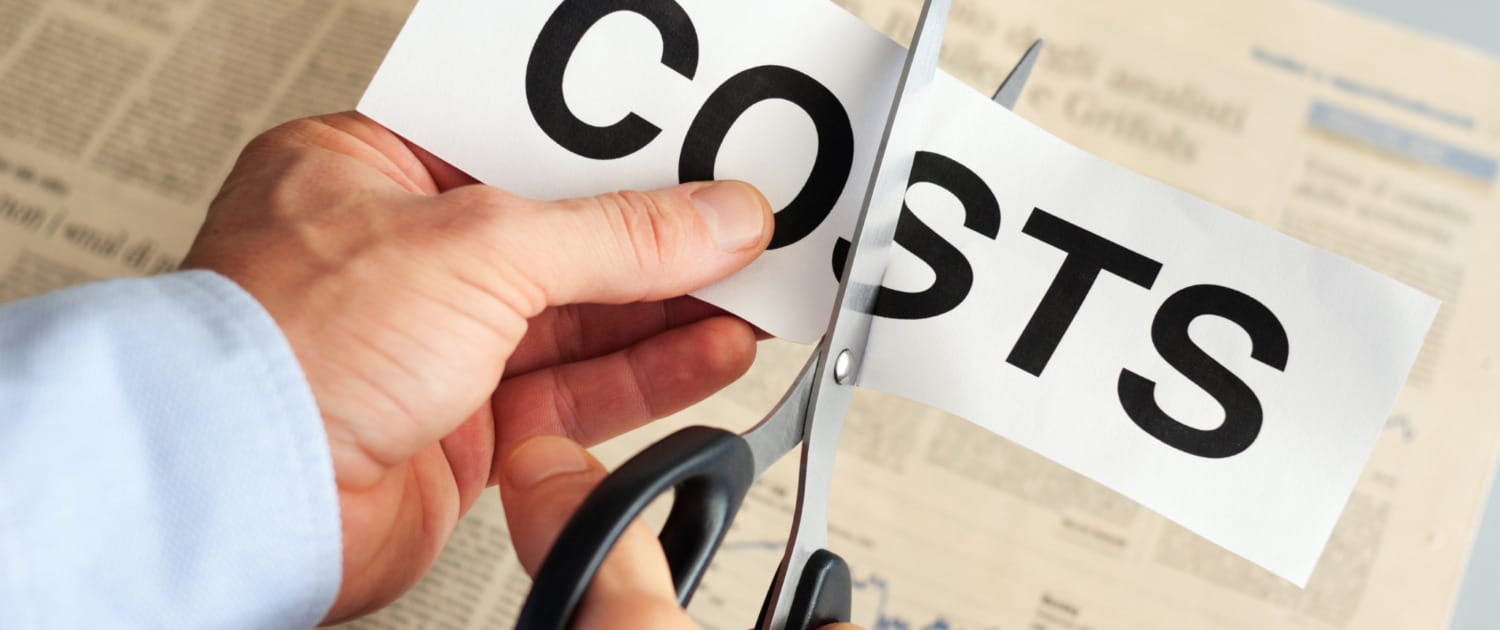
{"points": [[1367, 127]]}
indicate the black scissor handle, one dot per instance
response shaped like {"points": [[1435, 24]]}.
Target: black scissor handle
{"points": [[824, 595], [710, 470]]}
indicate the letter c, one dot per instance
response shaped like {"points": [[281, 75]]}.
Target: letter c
{"points": [[554, 47]]}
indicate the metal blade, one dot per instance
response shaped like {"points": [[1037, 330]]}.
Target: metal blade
{"points": [[849, 329], [864, 269], [1010, 89], [782, 429]]}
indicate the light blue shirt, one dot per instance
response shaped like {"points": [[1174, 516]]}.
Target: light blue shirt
{"points": [[162, 463]]}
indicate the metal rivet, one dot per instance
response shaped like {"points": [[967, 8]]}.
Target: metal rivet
{"points": [[841, 367]]}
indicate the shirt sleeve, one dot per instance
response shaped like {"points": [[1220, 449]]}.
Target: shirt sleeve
{"points": [[162, 463]]}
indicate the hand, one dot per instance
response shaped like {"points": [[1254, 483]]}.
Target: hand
{"points": [[543, 481], [406, 291]]}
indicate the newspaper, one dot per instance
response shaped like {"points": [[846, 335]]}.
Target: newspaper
{"points": [[118, 119]]}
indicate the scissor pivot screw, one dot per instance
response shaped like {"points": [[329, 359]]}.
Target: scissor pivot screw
{"points": [[842, 365]]}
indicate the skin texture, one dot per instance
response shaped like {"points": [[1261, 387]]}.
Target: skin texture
{"points": [[441, 323]]}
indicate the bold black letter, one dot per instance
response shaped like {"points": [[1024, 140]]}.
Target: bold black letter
{"points": [[830, 169], [954, 274], [549, 59], [1169, 332], [1088, 254]]}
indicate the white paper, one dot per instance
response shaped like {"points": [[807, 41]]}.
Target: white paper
{"points": [[455, 83]]}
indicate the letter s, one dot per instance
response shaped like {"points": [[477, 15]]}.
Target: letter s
{"points": [[1169, 332], [554, 46], [955, 276]]}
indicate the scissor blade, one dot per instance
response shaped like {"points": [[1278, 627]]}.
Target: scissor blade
{"points": [[1010, 89], [875, 231], [849, 325], [782, 429]]}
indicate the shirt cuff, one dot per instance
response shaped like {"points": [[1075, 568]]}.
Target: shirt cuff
{"points": [[162, 464]]}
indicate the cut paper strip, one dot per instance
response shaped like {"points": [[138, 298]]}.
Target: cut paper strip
{"points": [[1226, 376]]}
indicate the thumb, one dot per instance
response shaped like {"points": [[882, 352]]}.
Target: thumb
{"points": [[632, 246], [542, 482]]}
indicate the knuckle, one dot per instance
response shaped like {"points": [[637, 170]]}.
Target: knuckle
{"points": [[648, 229], [280, 167], [471, 210], [571, 336], [490, 225], [480, 197], [565, 410], [296, 141], [290, 134], [486, 204]]}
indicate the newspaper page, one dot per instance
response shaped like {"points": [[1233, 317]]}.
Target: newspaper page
{"points": [[118, 119]]}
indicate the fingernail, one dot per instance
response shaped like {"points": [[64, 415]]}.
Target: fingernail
{"points": [[734, 214], [544, 457]]}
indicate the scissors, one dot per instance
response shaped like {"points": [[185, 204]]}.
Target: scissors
{"points": [[710, 470]]}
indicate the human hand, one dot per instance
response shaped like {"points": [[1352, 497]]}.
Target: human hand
{"points": [[406, 291], [542, 482]]}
